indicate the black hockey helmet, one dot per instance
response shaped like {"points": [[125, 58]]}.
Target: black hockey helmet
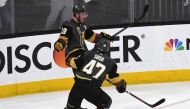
{"points": [[79, 6], [103, 45]]}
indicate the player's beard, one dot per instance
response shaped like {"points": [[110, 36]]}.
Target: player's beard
{"points": [[81, 20]]}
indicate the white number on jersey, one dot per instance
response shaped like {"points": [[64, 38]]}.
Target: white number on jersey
{"points": [[90, 66], [63, 30]]}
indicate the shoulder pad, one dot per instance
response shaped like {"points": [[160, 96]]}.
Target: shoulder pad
{"points": [[66, 29]]}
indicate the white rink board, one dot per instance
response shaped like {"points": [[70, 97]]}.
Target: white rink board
{"points": [[44, 56], [151, 52], [151, 49]]}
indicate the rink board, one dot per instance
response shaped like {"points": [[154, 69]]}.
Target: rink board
{"points": [[66, 83], [143, 54]]}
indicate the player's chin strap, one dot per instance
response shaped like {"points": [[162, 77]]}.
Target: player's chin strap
{"points": [[148, 104]]}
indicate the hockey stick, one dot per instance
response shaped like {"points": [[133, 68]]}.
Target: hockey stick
{"points": [[145, 10], [150, 105]]}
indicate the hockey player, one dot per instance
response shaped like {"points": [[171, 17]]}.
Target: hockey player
{"points": [[92, 68], [74, 32]]}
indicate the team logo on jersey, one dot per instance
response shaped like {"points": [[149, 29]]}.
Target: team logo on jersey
{"points": [[63, 30], [79, 31], [85, 27]]}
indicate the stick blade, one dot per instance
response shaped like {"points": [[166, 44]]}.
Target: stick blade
{"points": [[159, 102], [146, 8]]}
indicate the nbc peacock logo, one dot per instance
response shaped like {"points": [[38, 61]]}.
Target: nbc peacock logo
{"points": [[174, 45]]}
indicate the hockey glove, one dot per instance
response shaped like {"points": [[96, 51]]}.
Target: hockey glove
{"points": [[121, 86], [59, 45], [107, 36]]}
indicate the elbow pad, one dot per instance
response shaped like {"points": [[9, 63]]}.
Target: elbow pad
{"points": [[76, 62], [59, 45]]}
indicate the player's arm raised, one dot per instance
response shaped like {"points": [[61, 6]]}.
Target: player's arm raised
{"points": [[92, 36], [62, 41]]}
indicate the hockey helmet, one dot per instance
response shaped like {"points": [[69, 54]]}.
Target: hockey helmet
{"points": [[103, 45], [79, 6]]}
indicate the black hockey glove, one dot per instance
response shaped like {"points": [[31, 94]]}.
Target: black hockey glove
{"points": [[107, 36], [121, 86]]}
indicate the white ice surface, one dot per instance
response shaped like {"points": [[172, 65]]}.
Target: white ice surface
{"points": [[177, 96]]}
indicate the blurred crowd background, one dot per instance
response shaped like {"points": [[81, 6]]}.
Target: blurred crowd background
{"points": [[22, 16]]}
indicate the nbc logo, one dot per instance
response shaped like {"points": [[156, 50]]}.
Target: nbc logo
{"points": [[174, 45]]}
